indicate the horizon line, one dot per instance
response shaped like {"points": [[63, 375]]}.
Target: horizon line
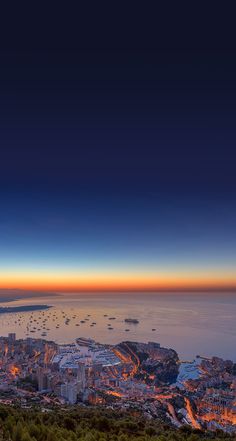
{"points": [[141, 290]]}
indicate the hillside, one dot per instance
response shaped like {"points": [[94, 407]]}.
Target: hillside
{"points": [[90, 424]]}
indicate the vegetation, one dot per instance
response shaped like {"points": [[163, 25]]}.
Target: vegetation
{"points": [[91, 424]]}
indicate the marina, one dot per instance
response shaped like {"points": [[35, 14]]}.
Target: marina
{"points": [[171, 320]]}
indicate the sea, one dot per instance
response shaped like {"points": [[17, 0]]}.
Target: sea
{"points": [[191, 323]]}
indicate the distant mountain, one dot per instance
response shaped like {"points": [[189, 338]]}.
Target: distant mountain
{"points": [[9, 295]]}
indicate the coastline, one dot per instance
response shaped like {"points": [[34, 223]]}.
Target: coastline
{"points": [[26, 308], [11, 295]]}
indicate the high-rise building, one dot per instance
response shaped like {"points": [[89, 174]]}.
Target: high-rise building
{"points": [[69, 391], [42, 378], [81, 374], [12, 337]]}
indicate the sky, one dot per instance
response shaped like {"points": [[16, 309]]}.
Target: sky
{"points": [[117, 168]]}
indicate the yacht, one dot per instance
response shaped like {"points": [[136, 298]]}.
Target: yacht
{"points": [[130, 320]]}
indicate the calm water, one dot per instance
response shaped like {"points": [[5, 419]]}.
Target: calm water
{"points": [[191, 324]]}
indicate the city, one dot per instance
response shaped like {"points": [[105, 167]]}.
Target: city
{"points": [[144, 377]]}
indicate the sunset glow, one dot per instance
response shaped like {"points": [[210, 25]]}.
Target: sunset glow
{"points": [[118, 281]]}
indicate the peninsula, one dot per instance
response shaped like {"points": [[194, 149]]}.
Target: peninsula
{"points": [[23, 308]]}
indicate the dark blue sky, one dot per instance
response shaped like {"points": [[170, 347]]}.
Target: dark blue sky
{"points": [[118, 157]]}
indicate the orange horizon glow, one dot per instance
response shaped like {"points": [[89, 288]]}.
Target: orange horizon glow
{"points": [[64, 282]]}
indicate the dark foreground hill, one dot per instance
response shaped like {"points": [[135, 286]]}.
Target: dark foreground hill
{"points": [[91, 424]]}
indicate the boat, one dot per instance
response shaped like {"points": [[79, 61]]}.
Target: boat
{"points": [[153, 329], [130, 320]]}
